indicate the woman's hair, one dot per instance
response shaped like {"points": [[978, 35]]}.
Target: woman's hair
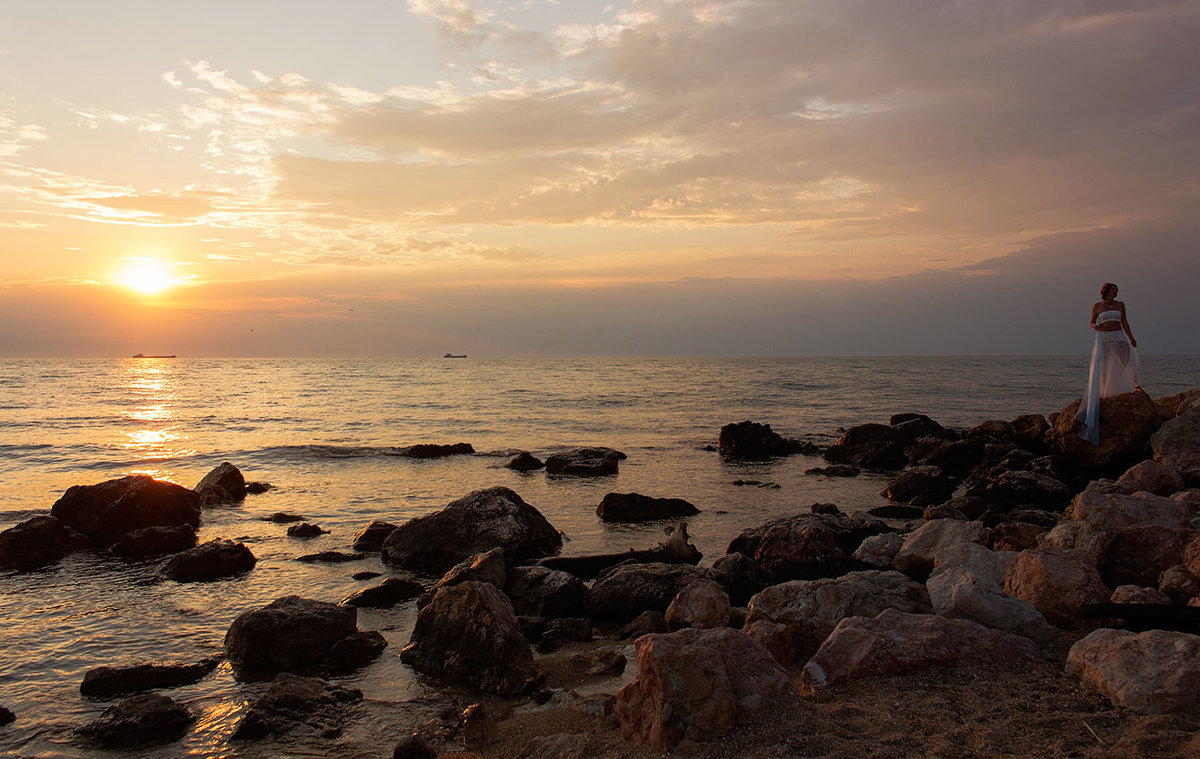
{"points": [[1104, 288]]}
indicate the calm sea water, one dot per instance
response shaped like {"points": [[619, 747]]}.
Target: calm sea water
{"points": [[324, 433]]}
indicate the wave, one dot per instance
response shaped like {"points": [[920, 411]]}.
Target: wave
{"points": [[321, 452]]}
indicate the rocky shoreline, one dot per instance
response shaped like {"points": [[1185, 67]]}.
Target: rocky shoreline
{"points": [[1042, 567]]}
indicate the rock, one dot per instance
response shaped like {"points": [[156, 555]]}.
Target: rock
{"points": [[370, 538], [38, 541], [1171, 406], [1126, 423], [835, 470], [585, 462], [750, 440], [356, 650], [477, 726], [916, 554], [896, 511], [812, 608], [824, 508], [1009, 489], [958, 593], [921, 486], [524, 462], [1150, 673], [144, 718], [6, 716], [293, 702], [879, 550], [676, 549], [696, 685], [1179, 584], [488, 566], [897, 643], [954, 457], [646, 623], [1133, 594], [107, 511], [1031, 431], [628, 590], [258, 488], [282, 517], [1016, 536], [224, 484], [306, 530], [210, 561], [563, 630], [331, 557], [966, 507], [475, 523], [983, 563], [413, 747], [1058, 583], [635, 507], [702, 604], [1110, 511], [289, 632], [111, 681], [870, 446], [1151, 477], [1177, 445], [799, 543], [391, 591], [1138, 555], [153, 541], [542, 592], [469, 633], [601, 663], [435, 450], [741, 576], [1079, 538], [1191, 556]]}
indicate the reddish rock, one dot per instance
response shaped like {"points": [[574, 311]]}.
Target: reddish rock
{"points": [[1179, 584], [289, 632], [543, 592], [798, 550], [879, 550], [1177, 444], [1079, 538], [1111, 511], [371, 537], [921, 486], [1171, 406], [1058, 583], [696, 685], [775, 637], [896, 643], [1150, 673], [37, 542], [981, 561], [153, 541], [626, 591], [1191, 556], [1126, 423], [1151, 477], [106, 511], [391, 591], [916, 555], [1138, 555], [210, 561], [702, 604], [1016, 536], [488, 566], [1133, 594], [224, 484]]}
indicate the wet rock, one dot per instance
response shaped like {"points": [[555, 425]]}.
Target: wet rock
{"points": [[703, 605], [37, 542], [1177, 445], [898, 643], [525, 462], [1151, 477], [646, 623], [153, 541], [1138, 555], [331, 557], [293, 702], [751, 440], [1126, 423], [469, 633], [741, 576], [370, 538], [435, 450], [635, 507], [289, 632], [306, 530], [258, 488], [6, 716], [488, 566], [111, 681], [812, 608], [916, 554], [696, 685], [1109, 511], [1150, 673], [141, 719], [1133, 594], [282, 517], [391, 591], [630, 589], [210, 561], [835, 470], [413, 747], [878, 551], [473, 524], [224, 484], [356, 650], [1058, 583], [543, 592], [585, 462], [106, 511], [921, 486], [870, 446], [478, 727], [676, 549]]}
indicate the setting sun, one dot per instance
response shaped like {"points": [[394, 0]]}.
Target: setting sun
{"points": [[148, 277]]}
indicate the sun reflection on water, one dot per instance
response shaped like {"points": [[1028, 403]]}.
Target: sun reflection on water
{"points": [[152, 391]]}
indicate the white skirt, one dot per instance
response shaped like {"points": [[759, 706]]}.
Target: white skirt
{"points": [[1114, 371]]}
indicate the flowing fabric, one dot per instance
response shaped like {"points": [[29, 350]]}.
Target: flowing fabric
{"points": [[1114, 371]]}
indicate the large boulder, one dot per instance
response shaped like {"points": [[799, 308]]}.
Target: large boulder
{"points": [[1102, 506], [878, 551], [289, 632], [741, 576], [751, 440], [544, 592], [1078, 538], [921, 486], [897, 643], [959, 593], [389, 592], [870, 446], [1060, 584], [585, 462], [1150, 673], [697, 685], [812, 608], [1126, 423], [475, 523], [469, 633], [224, 484], [1177, 444], [1171, 406], [1138, 555], [635, 507], [626, 591], [1151, 477], [210, 561], [704, 604], [435, 450], [795, 550], [110, 681], [141, 719], [37, 542], [488, 566], [106, 511], [1029, 489], [294, 702], [371, 537], [848, 532], [153, 541], [917, 554]]}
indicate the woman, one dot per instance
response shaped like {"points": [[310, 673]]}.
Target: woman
{"points": [[1114, 360]]}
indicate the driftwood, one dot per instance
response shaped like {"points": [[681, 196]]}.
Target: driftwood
{"points": [[1142, 617], [674, 550]]}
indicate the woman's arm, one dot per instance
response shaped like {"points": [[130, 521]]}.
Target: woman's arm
{"points": [[1125, 326], [1095, 310]]}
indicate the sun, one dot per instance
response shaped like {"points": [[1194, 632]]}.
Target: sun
{"points": [[147, 276]]}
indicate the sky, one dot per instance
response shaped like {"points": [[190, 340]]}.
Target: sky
{"points": [[566, 177]]}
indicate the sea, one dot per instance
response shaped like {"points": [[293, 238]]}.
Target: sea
{"points": [[326, 434]]}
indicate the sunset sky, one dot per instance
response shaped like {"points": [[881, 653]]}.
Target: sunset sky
{"points": [[638, 177]]}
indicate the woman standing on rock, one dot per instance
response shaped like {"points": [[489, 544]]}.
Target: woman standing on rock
{"points": [[1114, 368]]}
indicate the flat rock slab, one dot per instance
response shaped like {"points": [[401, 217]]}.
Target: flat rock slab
{"points": [[635, 507], [109, 681], [1151, 672]]}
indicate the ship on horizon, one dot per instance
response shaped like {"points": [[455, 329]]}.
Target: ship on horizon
{"points": [[143, 355]]}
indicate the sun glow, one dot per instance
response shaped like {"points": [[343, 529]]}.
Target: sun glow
{"points": [[147, 276]]}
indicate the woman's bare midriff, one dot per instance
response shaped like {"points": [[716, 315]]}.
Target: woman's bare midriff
{"points": [[1109, 327]]}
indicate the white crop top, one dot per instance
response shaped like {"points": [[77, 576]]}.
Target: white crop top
{"points": [[1108, 316]]}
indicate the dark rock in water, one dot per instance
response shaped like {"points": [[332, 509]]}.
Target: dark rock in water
{"points": [[835, 470], [646, 623], [435, 451], [741, 576], [258, 488], [282, 517], [921, 486], [224, 484], [37, 542], [585, 462], [870, 446], [357, 650], [469, 633], [289, 632], [6, 716], [390, 592], [413, 747], [543, 592], [626, 591], [331, 557], [897, 511], [145, 718], [110, 681], [153, 541], [489, 566], [635, 507], [210, 561], [294, 702], [306, 530], [525, 462], [366, 575], [751, 440], [473, 524], [371, 537], [676, 549], [106, 511]]}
